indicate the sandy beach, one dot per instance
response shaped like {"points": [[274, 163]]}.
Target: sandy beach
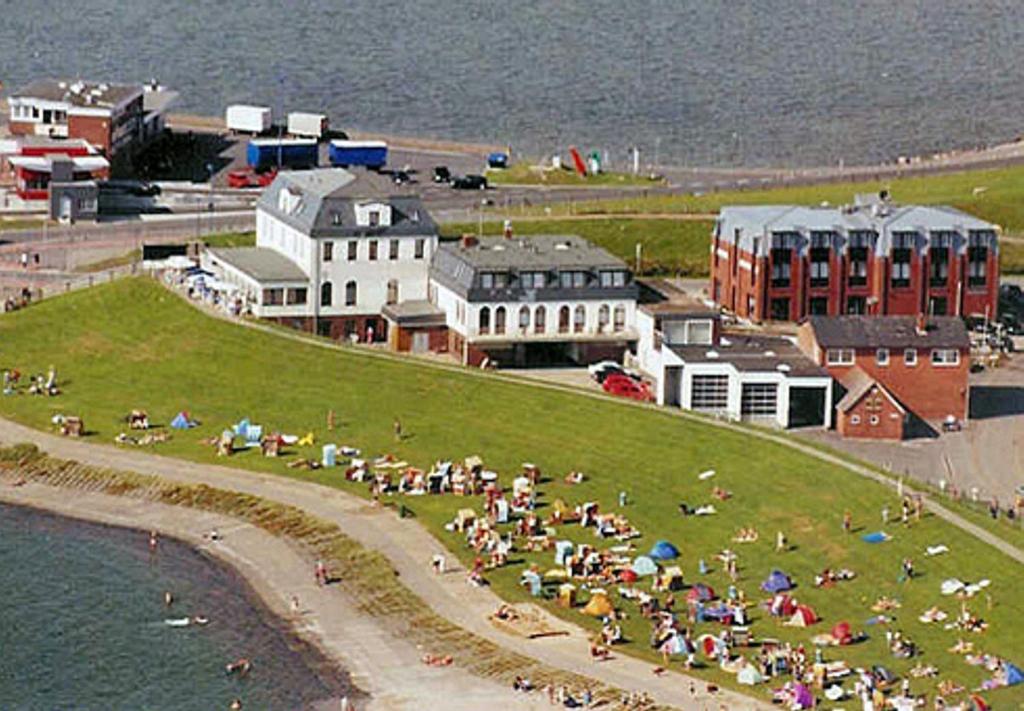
{"points": [[386, 668]]}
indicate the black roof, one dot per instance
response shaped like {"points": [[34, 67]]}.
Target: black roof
{"points": [[889, 332], [754, 354]]}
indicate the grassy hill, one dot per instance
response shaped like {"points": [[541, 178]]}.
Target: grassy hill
{"points": [[131, 344]]}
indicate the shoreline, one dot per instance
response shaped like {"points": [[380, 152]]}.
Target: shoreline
{"points": [[383, 672]]}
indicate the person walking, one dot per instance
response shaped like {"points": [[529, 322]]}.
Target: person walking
{"points": [[780, 541], [847, 522], [885, 514], [398, 430]]}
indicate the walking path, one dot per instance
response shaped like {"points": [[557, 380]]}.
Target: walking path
{"points": [[409, 547], [379, 663]]}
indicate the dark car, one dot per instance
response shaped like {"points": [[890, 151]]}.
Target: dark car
{"points": [[401, 177], [138, 188], [442, 174], [470, 182]]}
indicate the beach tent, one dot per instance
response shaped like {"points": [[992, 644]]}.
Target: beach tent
{"points": [[978, 703], [803, 617], [563, 551], [673, 644], [242, 428], [532, 580], [182, 421], [782, 605], [1014, 675], [842, 634], [671, 579], [700, 593], [663, 550], [749, 675], [599, 605], [628, 576], [708, 645], [644, 566], [777, 582]]}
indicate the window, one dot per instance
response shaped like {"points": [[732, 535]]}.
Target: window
{"points": [[273, 297], [858, 258], [353, 250], [393, 249], [882, 356], [350, 293], [902, 249], [373, 250], [532, 280], [539, 318], [613, 279], [945, 356], [493, 280], [604, 315], [328, 251], [573, 280], [977, 256], [938, 305], [499, 320], [856, 305], [910, 357], [873, 419], [524, 318], [563, 319], [839, 356], [819, 305], [620, 318], [854, 419], [779, 309], [781, 259], [297, 296], [819, 268], [579, 319], [759, 400], [709, 392], [374, 218], [392, 296], [420, 248], [484, 321], [326, 294]]}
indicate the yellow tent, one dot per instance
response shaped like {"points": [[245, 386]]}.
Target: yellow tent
{"points": [[599, 605]]}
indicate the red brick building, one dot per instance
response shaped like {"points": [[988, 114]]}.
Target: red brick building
{"points": [[894, 365], [783, 263]]}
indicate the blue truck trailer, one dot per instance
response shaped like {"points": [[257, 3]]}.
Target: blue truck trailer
{"points": [[264, 153], [371, 154]]}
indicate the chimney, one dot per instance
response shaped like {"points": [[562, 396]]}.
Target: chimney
{"points": [[922, 325], [469, 241], [507, 231]]}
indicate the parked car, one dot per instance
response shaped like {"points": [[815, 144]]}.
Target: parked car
{"points": [[603, 366], [624, 386], [442, 174], [470, 182], [138, 188], [401, 177], [248, 178]]}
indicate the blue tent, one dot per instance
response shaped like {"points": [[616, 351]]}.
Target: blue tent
{"points": [[644, 566], [182, 422], [1014, 675], [876, 537], [663, 550], [776, 582]]}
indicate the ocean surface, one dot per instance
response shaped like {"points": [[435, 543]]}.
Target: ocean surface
{"points": [[697, 82], [82, 626]]}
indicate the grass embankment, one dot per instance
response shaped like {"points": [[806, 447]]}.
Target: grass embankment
{"points": [[231, 239], [369, 577], [670, 246], [21, 224], [527, 174], [131, 344], [996, 195]]}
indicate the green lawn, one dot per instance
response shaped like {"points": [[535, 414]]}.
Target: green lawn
{"points": [[231, 239], [526, 174], [670, 246], [131, 344]]}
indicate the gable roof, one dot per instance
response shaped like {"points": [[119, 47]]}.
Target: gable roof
{"points": [[858, 385], [888, 332]]}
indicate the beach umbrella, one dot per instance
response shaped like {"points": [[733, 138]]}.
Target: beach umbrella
{"points": [[663, 550], [644, 566]]}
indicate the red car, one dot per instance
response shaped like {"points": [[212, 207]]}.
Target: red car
{"points": [[624, 386], [248, 178]]}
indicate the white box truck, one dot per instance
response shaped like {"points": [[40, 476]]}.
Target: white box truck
{"points": [[242, 118], [307, 125]]}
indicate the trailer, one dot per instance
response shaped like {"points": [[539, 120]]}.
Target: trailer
{"points": [[372, 154], [242, 118], [307, 125], [264, 153]]}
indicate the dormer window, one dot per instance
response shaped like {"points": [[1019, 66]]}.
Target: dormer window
{"points": [[573, 280], [374, 218], [493, 280], [613, 279], [335, 218], [373, 214]]}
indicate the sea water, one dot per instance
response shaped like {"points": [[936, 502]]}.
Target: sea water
{"points": [[82, 626], [697, 82]]}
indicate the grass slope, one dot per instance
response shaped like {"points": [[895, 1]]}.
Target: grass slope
{"points": [[526, 174], [669, 246], [131, 344]]}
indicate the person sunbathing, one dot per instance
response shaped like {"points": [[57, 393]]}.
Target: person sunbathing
{"points": [[574, 478], [433, 660], [598, 652], [721, 494]]}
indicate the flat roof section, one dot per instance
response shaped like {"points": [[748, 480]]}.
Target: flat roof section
{"points": [[261, 263], [754, 354], [78, 92]]}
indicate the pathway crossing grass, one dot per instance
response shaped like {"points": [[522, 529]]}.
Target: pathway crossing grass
{"points": [[131, 344]]}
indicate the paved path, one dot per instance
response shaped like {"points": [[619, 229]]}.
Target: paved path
{"points": [[407, 545], [387, 667]]}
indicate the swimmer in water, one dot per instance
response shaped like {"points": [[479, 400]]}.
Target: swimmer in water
{"points": [[236, 705], [168, 598]]}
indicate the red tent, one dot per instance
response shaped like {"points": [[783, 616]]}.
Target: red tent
{"points": [[803, 617], [842, 634], [701, 593], [628, 576], [783, 605], [978, 703]]}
